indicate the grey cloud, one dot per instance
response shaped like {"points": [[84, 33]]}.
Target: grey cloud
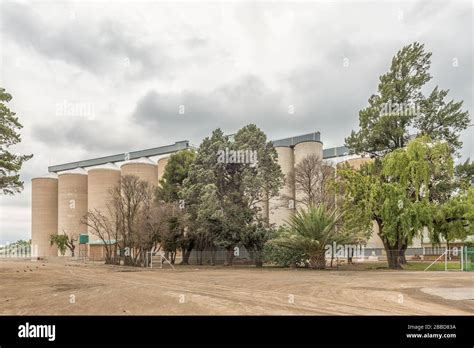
{"points": [[94, 137], [98, 48], [228, 107]]}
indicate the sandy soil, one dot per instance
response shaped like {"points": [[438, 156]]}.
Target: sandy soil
{"points": [[36, 288]]}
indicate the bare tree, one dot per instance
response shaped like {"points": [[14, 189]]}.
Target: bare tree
{"points": [[104, 226], [311, 181], [135, 223], [132, 202]]}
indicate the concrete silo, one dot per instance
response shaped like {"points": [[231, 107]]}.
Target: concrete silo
{"points": [[162, 162], [143, 168], [301, 151], [101, 180], [44, 214], [280, 208], [72, 203]]}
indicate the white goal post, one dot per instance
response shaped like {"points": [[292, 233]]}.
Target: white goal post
{"points": [[447, 253]]}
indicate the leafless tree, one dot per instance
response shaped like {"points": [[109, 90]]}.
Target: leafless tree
{"points": [[104, 226], [135, 223], [310, 181], [132, 204]]}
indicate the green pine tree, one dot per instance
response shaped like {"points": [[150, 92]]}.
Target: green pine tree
{"points": [[10, 163]]}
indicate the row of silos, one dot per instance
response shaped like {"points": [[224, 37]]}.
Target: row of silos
{"points": [[59, 202], [279, 209]]}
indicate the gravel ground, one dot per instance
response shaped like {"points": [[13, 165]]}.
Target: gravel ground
{"points": [[42, 288]]}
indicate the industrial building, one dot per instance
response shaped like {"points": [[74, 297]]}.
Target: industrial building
{"points": [[62, 197]]}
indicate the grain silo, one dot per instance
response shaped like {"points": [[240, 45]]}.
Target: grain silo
{"points": [[281, 207], [101, 180], [44, 214], [301, 151], [162, 162], [143, 168], [72, 203]]}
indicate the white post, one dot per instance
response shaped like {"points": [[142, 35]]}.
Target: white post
{"points": [[446, 260], [462, 258]]}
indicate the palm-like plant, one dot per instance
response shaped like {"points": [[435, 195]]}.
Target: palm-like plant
{"points": [[311, 231]]}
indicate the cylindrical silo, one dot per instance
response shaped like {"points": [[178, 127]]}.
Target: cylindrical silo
{"points": [[301, 151], [281, 207], [101, 180], [72, 203], [44, 215], [162, 162], [143, 168], [306, 148]]}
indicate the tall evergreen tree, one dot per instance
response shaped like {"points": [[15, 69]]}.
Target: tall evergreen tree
{"points": [[399, 110], [224, 195], [10, 163]]}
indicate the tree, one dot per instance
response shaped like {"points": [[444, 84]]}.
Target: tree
{"points": [[282, 256], [465, 172], [23, 243], [208, 221], [172, 229], [254, 241], [105, 227], [454, 219], [311, 181], [400, 111], [311, 230], [176, 171], [135, 214], [236, 187], [63, 242], [398, 193], [10, 163]]}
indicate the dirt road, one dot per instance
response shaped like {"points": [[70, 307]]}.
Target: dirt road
{"points": [[36, 288]]}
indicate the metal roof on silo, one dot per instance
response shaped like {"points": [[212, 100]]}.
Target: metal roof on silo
{"points": [[182, 145], [141, 160], [107, 166], [292, 141], [161, 150], [80, 171], [46, 176]]}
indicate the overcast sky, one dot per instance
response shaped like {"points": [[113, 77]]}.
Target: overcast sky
{"points": [[98, 78]]}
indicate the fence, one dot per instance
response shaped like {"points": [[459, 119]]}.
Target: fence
{"points": [[469, 259], [206, 257]]}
